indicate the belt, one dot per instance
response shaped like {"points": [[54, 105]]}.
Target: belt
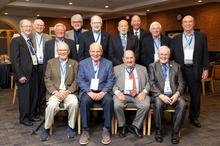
{"points": [[188, 65]]}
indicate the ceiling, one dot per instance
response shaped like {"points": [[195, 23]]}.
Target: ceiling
{"points": [[116, 8]]}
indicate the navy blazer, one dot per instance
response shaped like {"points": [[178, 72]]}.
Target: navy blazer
{"points": [[200, 55], [87, 39], [147, 48], [116, 50], [106, 75]]}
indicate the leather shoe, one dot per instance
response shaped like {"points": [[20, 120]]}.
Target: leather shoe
{"points": [[175, 138], [134, 130], [158, 136], [196, 123], [35, 119], [26, 123], [123, 131]]}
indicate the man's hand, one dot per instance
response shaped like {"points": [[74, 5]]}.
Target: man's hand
{"points": [[93, 95], [205, 74], [22, 80], [120, 96], [141, 96], [165, 99], [175, 97], [100, 95]]}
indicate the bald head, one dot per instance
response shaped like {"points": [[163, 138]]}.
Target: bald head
{"points": [[136, 22], [123, 27], [188, 24], [96, 23], [39, 25], [25, 27], [155, 29], [129, 58]]}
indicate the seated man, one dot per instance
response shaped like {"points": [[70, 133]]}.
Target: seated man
{"points": [[167, 87], [95, 79], [132, 86], [60, 81]]}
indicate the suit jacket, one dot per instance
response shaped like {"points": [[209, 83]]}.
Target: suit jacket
{"points": [[106, 75], [157, 80], [70, 34], [147, 48], [87, 38], [143, 33], [50, 46], [116, 50], [120, 78], [53, 76], [200, 55], [21, 61]]}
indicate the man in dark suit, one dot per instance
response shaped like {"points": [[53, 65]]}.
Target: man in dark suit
{"points": [[121, 42], [75, 33], [94, 35], [132, 86], [51, 45], [190, 50], [95, 79], [151, 43], [39, 39], [167, 87], [24, 65]]}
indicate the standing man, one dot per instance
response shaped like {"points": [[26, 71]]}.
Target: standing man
{"points": [[190, 50], [121, 42], [167, 87], [25, 66], [39, 39], [60, 81], [50, 50], [132, 86], [75, 33], [151, 44], [95, 79], [94, 35]]}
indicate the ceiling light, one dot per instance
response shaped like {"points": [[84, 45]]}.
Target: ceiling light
{"points": [[6, 13], [106, 6], [27, 0], [148, 10], [70, 3], [199, 1], [38, 15]]}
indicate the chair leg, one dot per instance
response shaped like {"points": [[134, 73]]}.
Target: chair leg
{"points": [[14, 94], [12, 81], [113, 124], [79, 123], [116, 126], [144, 125], [149, 123], [203, 88], [212, 87]]}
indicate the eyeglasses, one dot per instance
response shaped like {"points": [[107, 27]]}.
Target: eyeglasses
{"points": [[26, 26]]}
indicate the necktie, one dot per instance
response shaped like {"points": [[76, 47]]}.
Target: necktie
{"points": [[30, 46], [136, 34], [164, 70], [124, 42], [134, 90]]}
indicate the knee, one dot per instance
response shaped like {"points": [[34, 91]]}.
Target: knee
{"points": [[158, 103], [182, 103], [108, 100], [52, 105], [85, 101]]}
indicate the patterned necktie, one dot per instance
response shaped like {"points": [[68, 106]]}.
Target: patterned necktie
{"points": [[30, 46], [164, 70], [136, 34], [134, 90], [124, 41]]}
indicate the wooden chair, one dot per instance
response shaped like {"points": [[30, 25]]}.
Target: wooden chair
{"points": [[95, 107], [14, 94], [209, 79], [132, 107]]}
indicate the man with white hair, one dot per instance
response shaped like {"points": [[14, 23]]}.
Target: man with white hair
{"points": [[94, 35], [75, 33], [167, 88], [151, 44], [60, 81]]}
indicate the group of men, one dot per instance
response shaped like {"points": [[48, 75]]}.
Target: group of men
{"points": [[107, 71]]}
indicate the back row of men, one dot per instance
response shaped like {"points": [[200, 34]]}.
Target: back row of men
{"points": [[30, 58]]}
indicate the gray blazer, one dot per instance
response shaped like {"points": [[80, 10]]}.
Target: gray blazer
{"points": [[70, 34], [120, 78], [46, 37], [157, 80]]}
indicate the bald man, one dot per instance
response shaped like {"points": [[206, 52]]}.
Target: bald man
{"points": [[190, 50], [151, 44], [121, 42], [25, 67], [96, 34], [39, 39]]}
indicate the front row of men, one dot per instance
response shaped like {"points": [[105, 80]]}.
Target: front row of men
{"points": [[129, 83]]}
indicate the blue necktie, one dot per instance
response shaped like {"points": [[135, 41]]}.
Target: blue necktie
{"points": [[164, 70]]}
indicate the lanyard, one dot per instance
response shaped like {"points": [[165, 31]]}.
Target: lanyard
{"points": [[96, 68], [77, 36], [39, 42], [189, 41], [63, 70], [131, 71], [156, 43], [97, 39]]}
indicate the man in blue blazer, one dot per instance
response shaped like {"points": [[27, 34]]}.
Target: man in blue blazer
{"points": [[191, 52], [95, 80]]}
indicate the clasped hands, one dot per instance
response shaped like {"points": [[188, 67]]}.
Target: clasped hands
{"points": [[61, 94], [96, 96], [169, 100], [141, 96]]}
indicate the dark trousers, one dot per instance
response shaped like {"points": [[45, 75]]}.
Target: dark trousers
{"points": [[41, 101], [195, 92], [86, 102], [179, 114], [27, 97]]}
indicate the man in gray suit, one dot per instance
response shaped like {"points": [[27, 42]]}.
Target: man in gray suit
{"points": [[167, 87], [131, 86], [75, 33]]}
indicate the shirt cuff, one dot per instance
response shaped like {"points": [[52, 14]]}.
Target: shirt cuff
{"points": [[145, 91], [117, 91]]}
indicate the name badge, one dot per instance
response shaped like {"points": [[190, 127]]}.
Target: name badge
{"points": [[77, 47], [188, 54], [167, 89], [94, 84], [128, 84], [34, 59], [156, 58]]}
